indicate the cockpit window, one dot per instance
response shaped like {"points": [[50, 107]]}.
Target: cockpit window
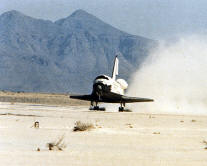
{"points": [[102, 77]]}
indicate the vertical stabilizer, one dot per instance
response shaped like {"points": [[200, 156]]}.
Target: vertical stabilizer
{"points": [[115, 71]]}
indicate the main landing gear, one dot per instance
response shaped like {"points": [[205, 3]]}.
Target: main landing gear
{"points": [[96, 107], [121, 108]]}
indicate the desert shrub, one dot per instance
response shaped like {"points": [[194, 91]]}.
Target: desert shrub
{"points": [[80, 126], [205, 142], [58, 145]]}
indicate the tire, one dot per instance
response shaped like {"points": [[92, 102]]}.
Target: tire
{"points": [[121, 109], [102, 108]]}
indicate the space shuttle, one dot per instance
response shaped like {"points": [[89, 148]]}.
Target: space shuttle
{"points": [[110, 90]]}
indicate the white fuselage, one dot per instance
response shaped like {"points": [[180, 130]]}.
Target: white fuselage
{"points": [[111, 85]]}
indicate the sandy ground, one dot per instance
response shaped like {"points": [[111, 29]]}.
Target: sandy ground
{"points": [[118, 139]]}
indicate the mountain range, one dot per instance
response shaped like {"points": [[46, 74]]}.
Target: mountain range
{"points": [[66, 55]]}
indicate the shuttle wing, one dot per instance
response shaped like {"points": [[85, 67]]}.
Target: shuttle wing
{"points": [[83, 97], [128, 99], [112, 98], [117, 98]]}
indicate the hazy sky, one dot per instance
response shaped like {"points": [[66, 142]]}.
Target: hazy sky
{"points": [[157, 19]]}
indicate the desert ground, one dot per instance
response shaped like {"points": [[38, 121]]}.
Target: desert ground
{"points": [[118, 138]]}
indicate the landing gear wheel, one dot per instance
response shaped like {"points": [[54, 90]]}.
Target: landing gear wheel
{"points": [[102, 108], [97, 108], [121, 109]]}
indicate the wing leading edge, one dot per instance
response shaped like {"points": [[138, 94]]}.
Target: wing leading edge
{"points": [[83, 97], [128, 99]]}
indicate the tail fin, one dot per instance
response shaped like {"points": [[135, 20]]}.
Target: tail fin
{"points": [[115, 68]]}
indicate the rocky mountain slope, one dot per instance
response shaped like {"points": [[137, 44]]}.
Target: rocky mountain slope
{"points": [[63, 56]]}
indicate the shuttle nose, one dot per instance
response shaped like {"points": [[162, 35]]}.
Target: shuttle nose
{"points": [[99, 88]]}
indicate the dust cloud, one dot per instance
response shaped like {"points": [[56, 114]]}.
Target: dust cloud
{"points": [[175, 76]]}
